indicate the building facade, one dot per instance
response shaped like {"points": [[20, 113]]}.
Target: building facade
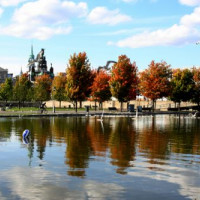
{"points": [[38, 66], [3, 75]]}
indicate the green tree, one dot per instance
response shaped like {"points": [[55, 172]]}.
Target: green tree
{"points": [[22, 90], [6, 90], [42, 88], [124, 81], [182, 85], [58, 88], [79, 78], [155, 81], [196, 93]]}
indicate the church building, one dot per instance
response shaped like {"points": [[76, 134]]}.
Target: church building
{"points": [[38, 66]]}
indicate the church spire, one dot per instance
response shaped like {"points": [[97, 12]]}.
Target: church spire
{"points": [[32, 50], [31, 57], [21, 72]]}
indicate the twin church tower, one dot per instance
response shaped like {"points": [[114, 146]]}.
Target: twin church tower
{"points": [[38, 66]]}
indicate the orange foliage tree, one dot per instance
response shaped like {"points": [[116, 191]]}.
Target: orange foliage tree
{"points": [[79, 78], [58, 88], [42, 88], [155, 81], [124, 81], [100, 89]]}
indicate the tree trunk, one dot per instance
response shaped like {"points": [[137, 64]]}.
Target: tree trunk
{"points": [[60, 104], [153, 105], [76, 105], [80, 104], [101, 105], [179, 106], [121, 105], [19, 106], [95, 105]]}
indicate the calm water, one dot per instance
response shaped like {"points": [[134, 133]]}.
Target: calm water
{"points": [[82, 158]]}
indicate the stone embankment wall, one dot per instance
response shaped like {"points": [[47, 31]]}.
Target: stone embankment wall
{"points": [[160, 104]]}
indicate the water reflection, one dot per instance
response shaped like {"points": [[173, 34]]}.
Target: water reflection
{"points": [[153, 141], [119, 137], [162, 149], [5, 129], [122, 144], [78, 147]]}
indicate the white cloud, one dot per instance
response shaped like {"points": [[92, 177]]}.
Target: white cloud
{"points": [[48, 12], [41, 184], [40, 32], [101, 15], [186, 32], [175, 35], [192, 19], [42, 19], [190, 2], [97, 190], [46, 185], [10, 2]]}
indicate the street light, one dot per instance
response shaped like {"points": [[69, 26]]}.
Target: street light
{"points": [[54, 110]]}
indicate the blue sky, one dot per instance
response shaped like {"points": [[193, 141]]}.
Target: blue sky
{"points": [[144, 30]]}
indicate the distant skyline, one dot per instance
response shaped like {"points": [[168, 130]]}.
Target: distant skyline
{"points": [[144, 30]]}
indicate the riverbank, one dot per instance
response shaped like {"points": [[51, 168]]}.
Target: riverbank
{"points": [[84, 113]]}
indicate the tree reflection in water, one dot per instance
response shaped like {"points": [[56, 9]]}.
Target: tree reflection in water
{"points": [[119, 138], [122, 144]]}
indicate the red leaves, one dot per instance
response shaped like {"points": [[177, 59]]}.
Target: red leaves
{"points": [[154, 81], [79, 77], [100, 89], [124, 79]]}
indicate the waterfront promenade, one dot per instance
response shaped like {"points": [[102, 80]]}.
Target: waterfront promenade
{"points": [[92, 113]]}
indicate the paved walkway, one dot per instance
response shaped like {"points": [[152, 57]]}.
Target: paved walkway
{"points": [[83, 113]]}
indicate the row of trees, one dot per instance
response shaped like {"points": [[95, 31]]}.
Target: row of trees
{"points": [[122, 82]]}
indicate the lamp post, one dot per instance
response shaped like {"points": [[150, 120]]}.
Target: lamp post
{"points": [[54, 109]]}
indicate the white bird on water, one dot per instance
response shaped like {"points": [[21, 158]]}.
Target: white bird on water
{"points": [[101, 119]]}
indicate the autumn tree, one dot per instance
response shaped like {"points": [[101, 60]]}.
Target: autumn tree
{"points": [[124, 81], [196, 93], [182, 85], [58, 88], [100, 89], [42, 88], [79, 78], [155, 81], [6, 90]]}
